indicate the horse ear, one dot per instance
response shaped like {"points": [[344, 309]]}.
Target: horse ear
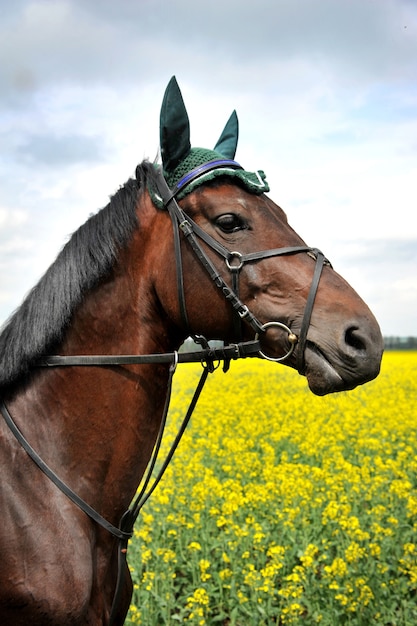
{"points": [[174, 127], [227, 142]]}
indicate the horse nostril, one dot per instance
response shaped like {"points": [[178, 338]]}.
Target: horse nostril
{"points": [[354, 339]]}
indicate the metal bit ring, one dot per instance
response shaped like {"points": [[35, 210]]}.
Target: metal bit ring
{"points": [[292, 338]]}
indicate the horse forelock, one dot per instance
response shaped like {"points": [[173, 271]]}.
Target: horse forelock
{"points": [[39, 324]]}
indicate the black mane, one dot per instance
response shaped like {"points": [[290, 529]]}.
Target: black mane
{"points": [[38, 325]]}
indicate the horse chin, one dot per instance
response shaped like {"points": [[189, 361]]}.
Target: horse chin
{"points": [[322, 377]]}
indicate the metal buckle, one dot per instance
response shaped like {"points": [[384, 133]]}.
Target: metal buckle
{"points": [[244, 312], [292, 338]]}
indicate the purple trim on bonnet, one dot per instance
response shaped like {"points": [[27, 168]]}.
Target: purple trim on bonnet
{"points": [[206, 167]]}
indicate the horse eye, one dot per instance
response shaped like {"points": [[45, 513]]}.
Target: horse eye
{"points": [[230, 223]]}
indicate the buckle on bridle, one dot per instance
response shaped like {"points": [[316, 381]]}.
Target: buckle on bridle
{"points": [[243, 312], [186, 227]]}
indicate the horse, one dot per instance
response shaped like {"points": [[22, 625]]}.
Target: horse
{"points": [[193, 247]]}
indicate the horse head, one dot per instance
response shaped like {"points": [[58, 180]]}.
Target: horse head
{"points": [[266, 282]]}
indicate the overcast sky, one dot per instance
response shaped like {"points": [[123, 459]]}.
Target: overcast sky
{"points": [[325, 91]]}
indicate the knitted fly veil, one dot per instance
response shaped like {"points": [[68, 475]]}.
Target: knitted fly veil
{"points": [[186, 168]]}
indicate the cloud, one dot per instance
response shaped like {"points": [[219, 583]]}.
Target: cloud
{"points": [[94, 43], [326, 94], [10, 218], [55, 151]]}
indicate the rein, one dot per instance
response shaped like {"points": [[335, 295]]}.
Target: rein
{"points": [[208, 356]]}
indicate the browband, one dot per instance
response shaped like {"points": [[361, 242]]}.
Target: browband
{"points": [[202, 169]]}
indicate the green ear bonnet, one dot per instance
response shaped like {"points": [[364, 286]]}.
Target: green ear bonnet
{"points": [[186, 168]]}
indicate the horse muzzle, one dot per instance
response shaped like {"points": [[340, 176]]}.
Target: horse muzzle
{"points": [[341, 365]]}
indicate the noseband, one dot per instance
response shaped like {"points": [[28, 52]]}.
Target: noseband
{"points": [[234, 262]]}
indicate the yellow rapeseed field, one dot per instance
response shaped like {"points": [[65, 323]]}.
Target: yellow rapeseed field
{"points": [[284, 508]]}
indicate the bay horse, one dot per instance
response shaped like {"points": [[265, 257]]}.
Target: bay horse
{"points": [[192, 247]]}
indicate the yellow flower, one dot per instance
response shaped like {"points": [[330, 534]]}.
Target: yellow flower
{"points": [[374, 549], [342, 598], [204, 566], [241, 597], [337, 471], [200, 596], [167, 555], [309, 556], [225, 573], [135, 614], [409, 548], [337, 568], [222, 521], [354, 552], [147, 580]]}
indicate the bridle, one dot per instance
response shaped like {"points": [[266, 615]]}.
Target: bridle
{"points": [[207, 356], [234, 262]]}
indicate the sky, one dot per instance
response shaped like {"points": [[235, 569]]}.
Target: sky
{"points": [[325, 92]]}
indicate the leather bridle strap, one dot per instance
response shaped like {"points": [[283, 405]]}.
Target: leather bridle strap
{"points": [[241, 257], [302, 337], [182, 221], [180, 276], [120, 534], [129, 518], [209, 355]]}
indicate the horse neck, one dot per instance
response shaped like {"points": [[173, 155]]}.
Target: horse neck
{"points": [[96, 426]]}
